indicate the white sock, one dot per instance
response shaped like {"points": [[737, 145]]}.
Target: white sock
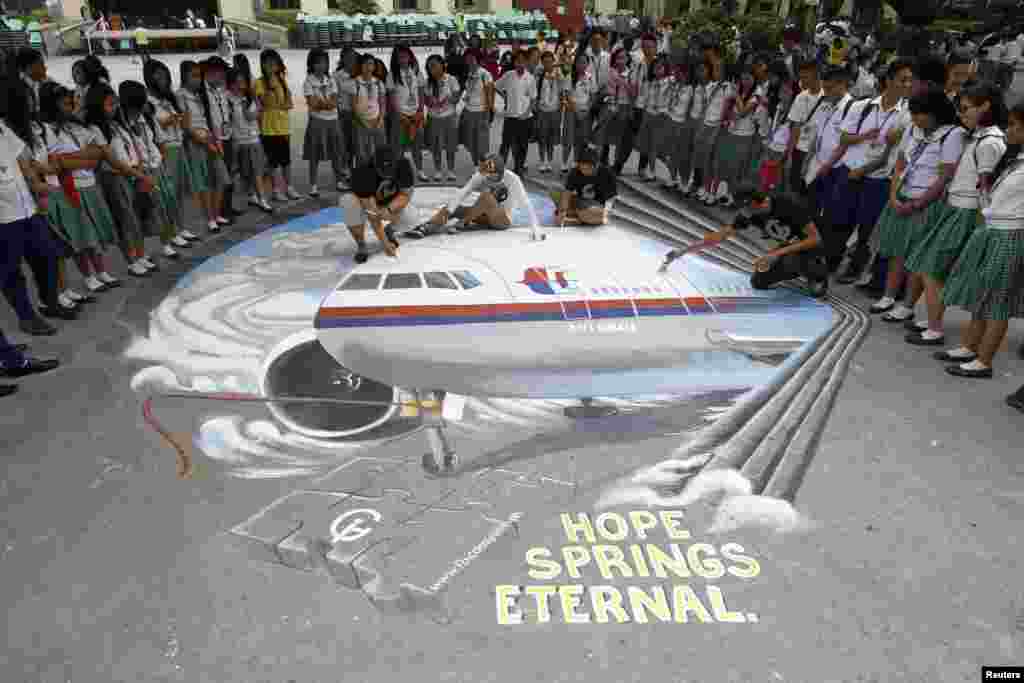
{"points": [[960, 352], [974, 365], [932, 334]]}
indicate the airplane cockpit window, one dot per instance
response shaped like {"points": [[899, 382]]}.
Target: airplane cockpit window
{"points": [[466, 279], [403, 281], [439, 280], [360, 282]]}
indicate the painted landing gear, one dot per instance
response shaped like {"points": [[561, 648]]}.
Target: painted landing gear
{"points": [[442, 460], [590, 411]]}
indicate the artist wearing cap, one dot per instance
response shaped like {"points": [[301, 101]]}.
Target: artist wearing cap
{"points": [[589, 191], [788, 218], [381, 190], [501, 193]]}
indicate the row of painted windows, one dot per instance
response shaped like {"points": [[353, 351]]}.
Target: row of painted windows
{"points": [[457, 279]]}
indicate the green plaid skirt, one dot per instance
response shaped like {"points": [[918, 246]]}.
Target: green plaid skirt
{"points": [[988, 278], [175, 168], [899, 235], [197, 168], [939, 249], [89, 227]]}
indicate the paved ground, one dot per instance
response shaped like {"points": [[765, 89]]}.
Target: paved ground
{"points": [[904, 563]]}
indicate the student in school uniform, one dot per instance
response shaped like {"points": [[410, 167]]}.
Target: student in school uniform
{"points": [[641, 76], [616, 112], [170, 119], [215, 103], [249, 162], [478, 113], [343, 76], [79, 208], [736, 140], [441, 94], [927, 161], [199, 142], [801, 126], [718, 92], [691, 174], [405, 94], [519, 88], [770, 176], [826, 171], [988, 278], [369, 97], [552, 91], [650, 138], [121, 175], [577, 126], [873, 130], [323, 137], [983, 114]]}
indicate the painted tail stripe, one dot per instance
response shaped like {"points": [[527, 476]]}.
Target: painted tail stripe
{"points": [[392, 316]]}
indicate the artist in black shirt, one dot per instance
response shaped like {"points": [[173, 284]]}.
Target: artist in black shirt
{"points": [[381, 190], [588, 190], [787, 218]]}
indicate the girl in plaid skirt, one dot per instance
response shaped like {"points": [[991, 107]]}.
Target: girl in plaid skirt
{"points": [[988, 278], [927, 158], [982, 112]]}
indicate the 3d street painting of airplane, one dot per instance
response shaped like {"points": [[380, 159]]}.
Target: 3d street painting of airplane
{"points": [[504, 335]]}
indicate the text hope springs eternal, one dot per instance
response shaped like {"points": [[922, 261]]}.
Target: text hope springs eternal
{"points": [[600, 544]]}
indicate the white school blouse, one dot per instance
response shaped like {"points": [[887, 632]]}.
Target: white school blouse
{"points": [[549, 98], [407, 93], [321, 86], [925, 154], [476, 83], [171, 135], [870, 151], [441, 105], [986, 147], [1007, 209], [520, 93]]}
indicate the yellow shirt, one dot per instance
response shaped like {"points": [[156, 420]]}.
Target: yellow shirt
{"points": [[273, 121]]}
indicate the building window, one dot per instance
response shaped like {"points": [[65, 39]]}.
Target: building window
{"points": [[406, 5], [285, 4]]}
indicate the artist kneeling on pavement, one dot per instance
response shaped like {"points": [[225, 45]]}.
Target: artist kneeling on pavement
{"points": [[381, 189], [589, 190], [803, 253], [501, 193]]}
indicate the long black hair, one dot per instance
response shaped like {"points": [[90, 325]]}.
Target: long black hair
{"points": [[241, 63], [162, 93], [51, 94], [185, 71], [275, 57], [94, 71], [94, 112], [581, 56], [932, 100], [1012, 151], [396, 68], [434, 83], [315, 55], [134, 98], [237, 75], [345, 52], [15, 111]]}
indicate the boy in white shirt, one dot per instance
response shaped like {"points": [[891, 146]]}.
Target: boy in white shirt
{"points": [[802, 132], [519, 88]]}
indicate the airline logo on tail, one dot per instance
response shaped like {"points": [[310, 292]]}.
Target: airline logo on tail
{"points": [[550, 280]]}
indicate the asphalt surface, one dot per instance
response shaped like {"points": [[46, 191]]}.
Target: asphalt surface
{"points": [[899, 560]]}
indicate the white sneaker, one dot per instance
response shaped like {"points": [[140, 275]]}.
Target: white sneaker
{"points": [[108, 279], [180, 242], [189, 235], [223, 221], [293, 194], [148, 262], [212, 226], [723, 191], [169, 251], [66, 301], [254, 200], [883, 304], [423, 177], [438, 177], [452, 176], [138, 269], [265, 205], [341, 185], [94, 284], [73, 295], [701, 194], [726, 201], [279, 197], [314, 191]]}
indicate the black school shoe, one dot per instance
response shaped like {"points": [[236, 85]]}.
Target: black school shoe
{"points": [[58, 311], [946, 358], [1016, 400], [37, 327], [917, 339], [970, 374], [30, 366], [362, 256]]}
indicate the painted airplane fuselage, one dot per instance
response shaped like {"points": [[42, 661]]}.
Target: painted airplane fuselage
{"points": [[578, 314]]}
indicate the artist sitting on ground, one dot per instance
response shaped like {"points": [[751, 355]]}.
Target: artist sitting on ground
{"points": [[589, 190], [802, 252], [501, 193], [381, 189]]}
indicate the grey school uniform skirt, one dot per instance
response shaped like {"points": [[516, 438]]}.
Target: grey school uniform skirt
{"points": [[120, 194], [648, 138], [220, 176], [611, 125], [250, 163], [322, 141], [680, 139], [732, 157], [475, 133], [367, 141], [705, 142], [575, 133], [549, 125]]}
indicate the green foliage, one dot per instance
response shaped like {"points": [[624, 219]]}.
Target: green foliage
{"points": [[714, 23], [358, 7]]}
